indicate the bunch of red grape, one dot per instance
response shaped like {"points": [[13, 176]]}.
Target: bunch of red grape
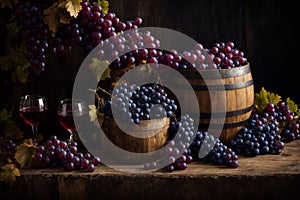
{"points": [[60, 153], [91, 27], [226, 55]]}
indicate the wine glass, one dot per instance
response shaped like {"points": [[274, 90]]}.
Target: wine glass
{"points": [[33, 110], [68, 109]]}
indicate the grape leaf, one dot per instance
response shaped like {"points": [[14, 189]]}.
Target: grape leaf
{"points": [[73, 7], [92, 112], [264, 97], [24, 153], [7, 125], [9, 173], [15, 60], [8, 3], [104, 5], [51, 17], [11, 130], [64, 17], [292, 106], [273, 98], [97, 67], [4, 116], [105, 75]]}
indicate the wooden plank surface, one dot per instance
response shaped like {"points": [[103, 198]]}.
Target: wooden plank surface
{"points": [[260, 177]]}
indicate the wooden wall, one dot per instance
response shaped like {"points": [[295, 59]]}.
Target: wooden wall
{"points": [[263, 29]]}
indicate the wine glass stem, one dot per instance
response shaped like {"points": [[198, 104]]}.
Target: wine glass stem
{"points": [[73, 135], [34, 133]]}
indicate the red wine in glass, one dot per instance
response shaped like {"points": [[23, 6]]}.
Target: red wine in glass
{"points": [[69, 109], [33, 115], [33, 110], [67, 121]]}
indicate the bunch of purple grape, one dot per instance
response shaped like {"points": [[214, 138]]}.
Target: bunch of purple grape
{"points": [[90, 28], [35, 34], [60, 153], [185, 143], [220, 56], [176, 157], [266, 131], [135, 103], [130, 48], [7, 149], [205, 147], [226, 55]]}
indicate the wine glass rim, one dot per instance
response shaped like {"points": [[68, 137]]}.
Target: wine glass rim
{"points": [[39, 96], [73, 100]]}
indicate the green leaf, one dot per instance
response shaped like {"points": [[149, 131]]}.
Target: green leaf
{"points": [[104, 5], [9, 173], [291, 105], [264, 97], [24, 153]]}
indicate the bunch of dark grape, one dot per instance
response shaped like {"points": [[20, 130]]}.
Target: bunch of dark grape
{"points": [[90, 28], [35, 34], [286, 120], [206, 147], [185, 148], [176, 156], [7, 149], [261, 134], [59, 153], [291, 132], [137, 103]]}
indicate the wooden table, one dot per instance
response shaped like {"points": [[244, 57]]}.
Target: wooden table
{"points": [[260, 177]]}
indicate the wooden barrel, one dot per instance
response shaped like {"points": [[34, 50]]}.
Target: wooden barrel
{"points": [[231, 89], [152, 136]]}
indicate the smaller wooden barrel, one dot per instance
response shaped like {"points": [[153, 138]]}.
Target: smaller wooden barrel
{"points": [[152, 136]]}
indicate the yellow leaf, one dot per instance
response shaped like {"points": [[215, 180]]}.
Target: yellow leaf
{"points": [[64, 17], [92, 112], [51, 17], [105, 75], [73, 7], [24, 153], [97, 66], [9, 173], [9, 3]]}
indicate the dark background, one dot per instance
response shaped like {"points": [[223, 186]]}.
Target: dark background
{"points": [[265, 30]]}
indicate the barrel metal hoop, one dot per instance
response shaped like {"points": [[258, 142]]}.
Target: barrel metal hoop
{"points": [[222, 87], [228, 114], [225, 126]]}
